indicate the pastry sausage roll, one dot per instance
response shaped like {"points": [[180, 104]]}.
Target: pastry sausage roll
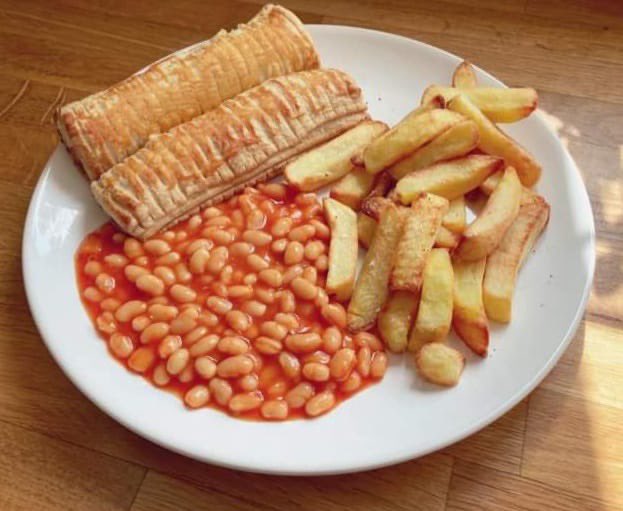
{"points": [[103, 129], [246, 139]]}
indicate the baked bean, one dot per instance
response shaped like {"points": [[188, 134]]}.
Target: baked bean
{"points": [[342, 363], [142, 359], [306, 309], [352, 383], [303, 343], [322, 263], [110, 304], [219, 305], [348, 342], [182, 294], [206, 318], [272, 277], [140, 322], [281, 227], [129, 310], [279, 246], [181, 236], [287, 302], [294, 253], [314, 249], [194, 222], [249, 279], [322, 230], [92, 268], [335, 314], [198, 261], [320, 403], [302, 233], [194, 335], [222, 237], [290, 365], [274, 191], [304, 289], [187, 374], [205, 367], [165, 274], [237, 218], [265, 295], [235, 366], [204, 345], [218, 221], [181, 272], [257, 238], [227, 275], [277, 389], [268, 207], [203, 243], [240, 291], [142, 261], [257, 262], [132, 248], [267, 345], [331, 340], [121, 345], [306, 199], [105, 323], [241, 248], [310, 274], [119, 237], [221, 391], [177, 361], [322, 299], [157, 247], [233, 345], [274, 410], [211, 212], [92, 294], [168, 259], [256, 359], [299, 395], [154, 332], [168, 235], [183, 324], [288, 320], [253, 308], [197, 396], [274, 330], [315, 371], [249, 382], [220, 289], [116, 260], [367, 339], [246, 203], [311, 211], [150, 284], [218, 260], [132, 272], [256, 219], [245, 402], [364, 359], [291, 273], [169, 345], [160, 375], [378, 365], [238, 320], [158, 300], [160, 312]]}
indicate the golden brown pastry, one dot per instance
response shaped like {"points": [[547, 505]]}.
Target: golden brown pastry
{"points": [[102, 129], [244, 140]]}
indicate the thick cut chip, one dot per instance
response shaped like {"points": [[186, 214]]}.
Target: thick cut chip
{"points": [[455, 217], [353, 187], [446, 238], [343, 249], [366, 226], [440, 364], [396, 318], [469, 318], [464, 76]]}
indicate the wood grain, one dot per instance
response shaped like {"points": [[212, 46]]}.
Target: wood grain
{"points": [[559, 449]]}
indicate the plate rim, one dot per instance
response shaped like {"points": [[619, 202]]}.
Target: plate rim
{"points": [[266, 467]]}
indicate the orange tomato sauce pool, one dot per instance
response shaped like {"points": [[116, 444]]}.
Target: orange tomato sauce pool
{"points": [[228, 309]]}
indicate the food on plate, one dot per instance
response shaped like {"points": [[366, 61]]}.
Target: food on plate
{"points": [[366, 226], [469, 319], [495, 142], [371, 287], [458, 140], [218, 311], [489, 184], [240, 142], [396, 318], [499, 104], [434, 315], [332, 160], [504, 263], [464, 76], [446, 238], [343, 249], [440, 364], [421, 223], [450, 179], [415, 130], [455, 220], [104, 128], [353, 187], [484, 234]]}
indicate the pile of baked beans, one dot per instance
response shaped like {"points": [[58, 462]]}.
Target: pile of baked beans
{"points": [[228, 309]]}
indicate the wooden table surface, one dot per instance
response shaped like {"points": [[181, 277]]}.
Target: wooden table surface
{"points": [[559, 449]]}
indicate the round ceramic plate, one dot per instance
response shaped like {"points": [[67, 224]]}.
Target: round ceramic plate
{"points": [[400, 418]]}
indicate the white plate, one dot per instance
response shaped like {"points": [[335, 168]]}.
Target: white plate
{"points": [[399, 419]]}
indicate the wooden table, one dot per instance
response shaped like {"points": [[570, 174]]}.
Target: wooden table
{"points": [[560, 448]]}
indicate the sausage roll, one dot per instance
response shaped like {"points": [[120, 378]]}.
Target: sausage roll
{"points": [[103, 129], [246, 139]]}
